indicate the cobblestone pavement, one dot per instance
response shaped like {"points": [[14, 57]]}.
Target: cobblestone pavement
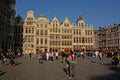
{"points": [[86, 69]]}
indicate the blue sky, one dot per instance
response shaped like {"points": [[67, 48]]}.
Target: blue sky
{"points": [[96, 12]]}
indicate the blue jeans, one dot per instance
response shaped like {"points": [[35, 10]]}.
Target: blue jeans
{"points": [[68, 71]]}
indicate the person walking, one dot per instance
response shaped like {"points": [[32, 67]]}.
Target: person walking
{"points": [[100, 57], [40, 58], [51, 55], [11, 60], [30, 55], [72, 59], [56, 55], [47, 56]]}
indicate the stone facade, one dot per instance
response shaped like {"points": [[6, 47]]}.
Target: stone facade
{"points": [[83, 35], [96, 40], [42, 34], [18, 33], [109, 37], [7, 16]]}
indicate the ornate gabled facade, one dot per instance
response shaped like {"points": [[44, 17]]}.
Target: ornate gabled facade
{"points": [[102, 38], [66, 34], [29, 33], [7, 16], [113, 37], [96, 40], [42, 34], [41, 37], [82, 35], [54, 33], [109, 37]]}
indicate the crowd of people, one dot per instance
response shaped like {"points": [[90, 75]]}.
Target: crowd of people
{"points": [[7, 58], [69, 58]]}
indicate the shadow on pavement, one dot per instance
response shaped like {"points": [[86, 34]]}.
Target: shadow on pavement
{"points": [[65, 70], [93, 61], [113, 76], [17, 63], [2, 73], [116, 69]]}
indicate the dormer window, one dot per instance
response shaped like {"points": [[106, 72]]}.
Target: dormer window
{"points": [[37, 25], [66, 24], [82, 24], [41, 25], [45, 25]]}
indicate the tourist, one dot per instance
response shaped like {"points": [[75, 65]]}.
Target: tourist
{"points": [[72, 59], [40, 58], [56, 55], [47, 56]]}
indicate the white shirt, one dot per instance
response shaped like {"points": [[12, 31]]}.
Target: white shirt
{"points": [[56, 54]]}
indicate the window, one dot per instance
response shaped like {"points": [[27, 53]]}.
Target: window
{"points": [[46, 32], [41, 26], [45, 40], [29, 30], [53, 29], [74, 39], [79, 39], [45, 25], [83, 40], [64, 24], [41, 32], [28, 38], [86, 32], [29, 18], [37, 32], [74, 31], [37, 25], [50, 30], [82, 24], [62, 30], [32, 30], [41, 41], [37, 41], [68, 25], [26, 30], [86, 40], [91, 40], [79, 32]]}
